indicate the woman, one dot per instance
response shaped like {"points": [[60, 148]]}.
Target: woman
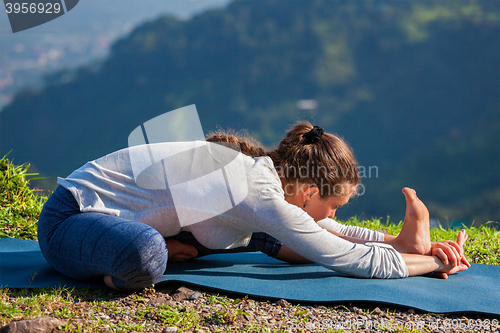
{"points": [[104, 220]]}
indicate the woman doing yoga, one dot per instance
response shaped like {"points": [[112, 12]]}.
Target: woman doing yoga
{"points": [[105, 221]]}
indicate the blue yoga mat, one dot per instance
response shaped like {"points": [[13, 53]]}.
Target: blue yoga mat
{"points": [[476, 290]]}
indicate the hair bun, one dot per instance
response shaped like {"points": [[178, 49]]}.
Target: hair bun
{"points": [[313, 135]]}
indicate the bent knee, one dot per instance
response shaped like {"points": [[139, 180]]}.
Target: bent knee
{"points": [[143, 262]]}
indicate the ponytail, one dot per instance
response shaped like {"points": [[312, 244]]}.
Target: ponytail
{"points": [[308, 155]]}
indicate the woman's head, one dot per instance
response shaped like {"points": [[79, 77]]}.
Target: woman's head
{"points": [[318, 170], [308, 156]]}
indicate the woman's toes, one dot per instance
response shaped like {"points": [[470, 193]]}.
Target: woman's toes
{"points": [[410, 194]]}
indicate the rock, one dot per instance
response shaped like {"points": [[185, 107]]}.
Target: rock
{"points": [[377, 311], [283, 303], [36, 325], [356, 310], [158, 301], [196, 295], [169, 329], [171, 303], [183, 293]]}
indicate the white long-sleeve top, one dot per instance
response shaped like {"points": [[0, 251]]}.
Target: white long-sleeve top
{"points": [[109, 185]]}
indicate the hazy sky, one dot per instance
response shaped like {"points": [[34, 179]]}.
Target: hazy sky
{"points": [[119, 13], [82, 35]]}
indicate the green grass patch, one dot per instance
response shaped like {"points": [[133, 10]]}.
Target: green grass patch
{"points": [[20, 205]]}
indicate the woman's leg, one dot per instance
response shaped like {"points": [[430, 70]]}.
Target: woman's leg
{"points": [[414, 237], [88, 246]]}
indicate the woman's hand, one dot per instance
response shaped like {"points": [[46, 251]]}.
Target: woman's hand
{"points": [[447, 251], [444, 272], [452, 255]]}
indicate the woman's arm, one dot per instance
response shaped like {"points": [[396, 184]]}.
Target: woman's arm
{"points": [[441, 249], [421, 264], [417, 264], [354, 232], [302, 235], [446, 251]]}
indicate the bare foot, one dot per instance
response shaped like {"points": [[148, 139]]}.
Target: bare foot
{"points": [[109, 282], [414, 236], [178, 251]]}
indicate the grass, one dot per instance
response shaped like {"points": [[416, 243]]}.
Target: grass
{"points": [[100, 310], [20, 206]]}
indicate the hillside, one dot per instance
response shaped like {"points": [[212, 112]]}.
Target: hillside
{"points": [[78, 38], [413, 86]]}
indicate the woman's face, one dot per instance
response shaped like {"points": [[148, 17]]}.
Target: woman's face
{"points": [[319, 208]]}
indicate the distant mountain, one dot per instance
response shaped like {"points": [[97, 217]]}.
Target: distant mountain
{"points": [[414, 86], [81, 36]]}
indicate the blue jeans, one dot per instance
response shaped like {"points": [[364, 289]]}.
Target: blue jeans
{"points": [[87, 246]]}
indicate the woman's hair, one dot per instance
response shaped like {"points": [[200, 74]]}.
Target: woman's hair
{"points": [[247, 145], [327, 162]]}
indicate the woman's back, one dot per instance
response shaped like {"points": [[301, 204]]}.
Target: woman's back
{"points": [[202, 187]]}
